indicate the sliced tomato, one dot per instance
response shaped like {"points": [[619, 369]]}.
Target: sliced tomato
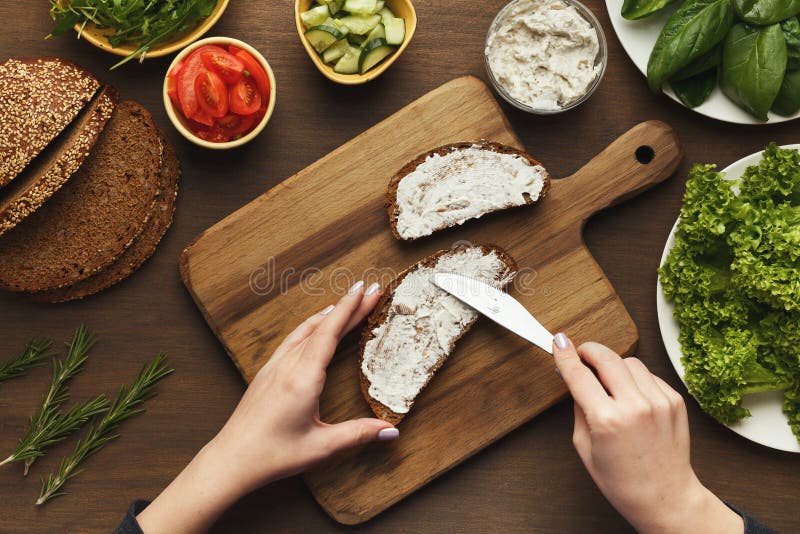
{"points": [[233, 49], [172, 90], [175, 70], [236, 125], [213, 135], [228, 66], [211, 93], [202, 117], [192, 66], [255, 71], [244, 97]]}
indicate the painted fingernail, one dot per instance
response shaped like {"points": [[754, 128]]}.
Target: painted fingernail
{"points": [[561, 341], [327, 310], [372, 289], [358, 285], [388, 434]]}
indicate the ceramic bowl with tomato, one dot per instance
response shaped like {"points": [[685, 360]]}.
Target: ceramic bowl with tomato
{"points": [[219, 92]]}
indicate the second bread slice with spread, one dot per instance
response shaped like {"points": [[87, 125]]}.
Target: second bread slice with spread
{"points": [[452, 184], [416, 325]]}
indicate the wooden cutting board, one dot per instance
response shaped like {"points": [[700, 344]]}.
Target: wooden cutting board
{"points": [[286, 255]]}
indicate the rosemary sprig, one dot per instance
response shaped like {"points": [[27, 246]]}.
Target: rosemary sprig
{"points": [[49, 413], [35, 352], [125, 405]]}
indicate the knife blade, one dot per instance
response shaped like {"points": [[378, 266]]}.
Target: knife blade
{"points": [[497, 305]]}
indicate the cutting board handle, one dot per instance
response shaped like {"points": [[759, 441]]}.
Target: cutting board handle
{"points": [[645, 155]]}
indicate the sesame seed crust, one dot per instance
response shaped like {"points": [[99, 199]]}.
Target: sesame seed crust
{"points": [[91, 221], [39, 98], [54, 168]]}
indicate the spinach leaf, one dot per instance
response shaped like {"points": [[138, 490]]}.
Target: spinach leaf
{"points": [[791, 31], [694, 29], [765, 12], [709, 60], [695, 90], [788, 101], [637, 9], [753, 66]]}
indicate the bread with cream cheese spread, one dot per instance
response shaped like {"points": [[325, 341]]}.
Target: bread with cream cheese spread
{"points": [[452, 184], [416, 325]]}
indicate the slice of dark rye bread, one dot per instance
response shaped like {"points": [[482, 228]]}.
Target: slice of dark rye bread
{"points": [[393, 209], [57, 163], [142, 248], [381, 313], [39, 97], [95, 217]]}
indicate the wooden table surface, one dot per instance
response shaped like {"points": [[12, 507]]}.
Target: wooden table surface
{"points": [[530, 481]]}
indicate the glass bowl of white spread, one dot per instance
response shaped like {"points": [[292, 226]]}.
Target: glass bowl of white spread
{"points": [[545, 56]]}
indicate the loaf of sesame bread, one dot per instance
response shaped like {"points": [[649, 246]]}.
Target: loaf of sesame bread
{"points": [[57, 163], [38, 98], [416, 325], [452, 184], [142, 248], [95, 217]]}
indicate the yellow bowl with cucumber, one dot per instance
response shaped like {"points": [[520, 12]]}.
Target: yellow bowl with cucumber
{"points": [[354, 41]]}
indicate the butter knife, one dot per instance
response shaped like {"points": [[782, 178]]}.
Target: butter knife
{"points": [[497, 305]]}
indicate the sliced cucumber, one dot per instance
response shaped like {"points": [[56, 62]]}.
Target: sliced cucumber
{"points": [[335, 51], [361, 24], [333, 5], [361, 7], [356, 40], [336, 23], [321, 37], [348, 64], [386, 14], [373, 53], [315, 16], [378, 32], [395, 31]]}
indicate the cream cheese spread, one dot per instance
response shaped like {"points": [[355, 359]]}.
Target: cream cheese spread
{"points": [[542, 52], [465, 183], [421, 327]]}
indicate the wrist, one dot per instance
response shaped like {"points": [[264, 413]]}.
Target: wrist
{"points": [[695, 510]]}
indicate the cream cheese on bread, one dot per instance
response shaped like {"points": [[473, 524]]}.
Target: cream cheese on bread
{"points": [[422, 324], [463, 182]]}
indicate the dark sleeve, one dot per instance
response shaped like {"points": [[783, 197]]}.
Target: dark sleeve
{"points": [[751, 526], [129, 524]]}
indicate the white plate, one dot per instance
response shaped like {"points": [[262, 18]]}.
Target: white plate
{"points": [[767, 424], [639, 36]]}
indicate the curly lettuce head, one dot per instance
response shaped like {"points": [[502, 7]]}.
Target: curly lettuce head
{"points": [[734, 276]]}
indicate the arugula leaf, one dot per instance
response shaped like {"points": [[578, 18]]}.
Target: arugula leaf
{"points": [[695, 90], [766, 12], [637, 9], [753, 67], [694, 29], [787, 103]]}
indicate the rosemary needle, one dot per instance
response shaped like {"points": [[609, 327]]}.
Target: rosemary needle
{"points": [[49, 426], [124, 406], [35, 352]]}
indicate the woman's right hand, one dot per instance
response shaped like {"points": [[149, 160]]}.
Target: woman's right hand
{"points": [[632, 434]]}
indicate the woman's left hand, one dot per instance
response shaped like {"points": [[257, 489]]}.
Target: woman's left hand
{"points": [[275, 430]]}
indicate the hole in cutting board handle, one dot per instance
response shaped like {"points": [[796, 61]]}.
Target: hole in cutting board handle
{"points": [[645, 154]]}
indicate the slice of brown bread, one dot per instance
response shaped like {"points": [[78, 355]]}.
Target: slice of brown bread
{"points": [[450, 185], [39, 97], [57, 163], [403, 309], [95, 217], [143, 247]]}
